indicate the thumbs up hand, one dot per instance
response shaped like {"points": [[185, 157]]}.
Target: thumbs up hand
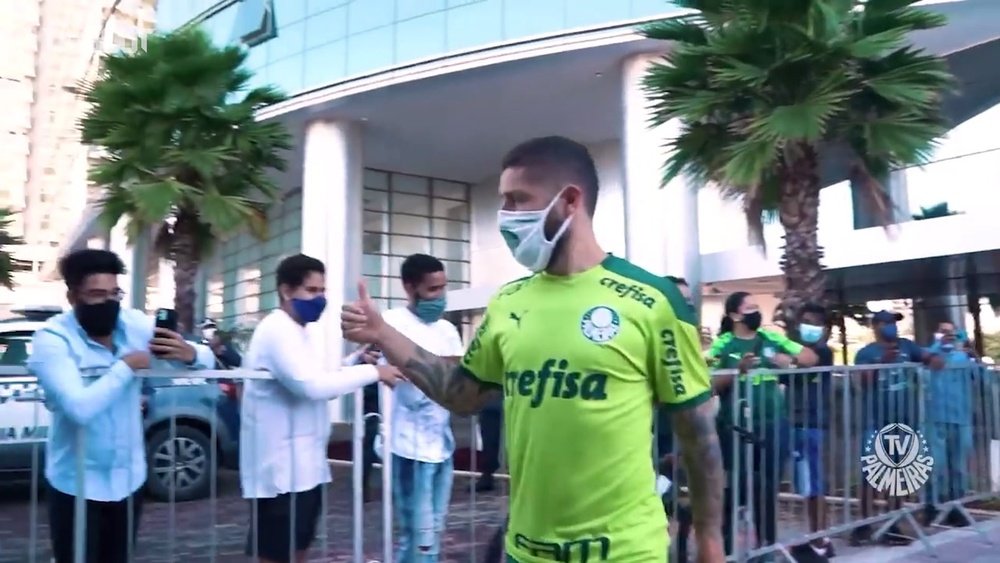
{"points": [[361, 320]]}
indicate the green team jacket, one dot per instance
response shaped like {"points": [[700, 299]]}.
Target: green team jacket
{"points": [[766, 399]]}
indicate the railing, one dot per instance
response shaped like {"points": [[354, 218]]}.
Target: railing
{"points": [[787, 434], [869, 453]]}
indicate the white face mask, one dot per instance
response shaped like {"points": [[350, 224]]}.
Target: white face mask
{"points": [[524, 233], [208, 333]]}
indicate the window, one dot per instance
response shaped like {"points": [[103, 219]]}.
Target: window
{"points": [[241, 286], [255, 22], [405, 214], [15, 347]]}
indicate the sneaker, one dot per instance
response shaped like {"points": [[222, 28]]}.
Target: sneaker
{"points": [[809, 553], [955, 519]]}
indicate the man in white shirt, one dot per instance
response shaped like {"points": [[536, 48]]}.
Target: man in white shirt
{"points": [[285, 424], [422, 442]]}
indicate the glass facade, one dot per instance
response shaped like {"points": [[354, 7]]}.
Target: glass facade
{"points": [[404, 215], [240, 286], [319, 42]]}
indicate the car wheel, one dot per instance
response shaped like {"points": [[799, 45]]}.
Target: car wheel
{"points": [[182, 462]]}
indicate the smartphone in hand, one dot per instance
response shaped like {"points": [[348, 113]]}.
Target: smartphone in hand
{"points": [[166, 318]]}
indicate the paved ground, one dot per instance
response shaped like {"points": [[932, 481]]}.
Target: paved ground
{"points": [[193, 532], [953, 546], [215, 531]]}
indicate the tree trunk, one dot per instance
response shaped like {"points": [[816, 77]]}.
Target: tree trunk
{"points": [[801, 262], [187, 261]]}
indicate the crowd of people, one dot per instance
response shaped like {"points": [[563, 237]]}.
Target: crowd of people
{"points": [[569, 361], [791, 416]]}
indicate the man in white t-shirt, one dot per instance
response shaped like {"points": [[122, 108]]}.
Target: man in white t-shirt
{"points": [[422, 442], [285, 422]]}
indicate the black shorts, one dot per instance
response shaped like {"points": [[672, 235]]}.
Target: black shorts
{"points": [[280, 519], [111, 529]]}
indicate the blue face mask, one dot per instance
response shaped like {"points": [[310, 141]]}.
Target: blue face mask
{"points": [[889, 332], [430, 310], [309, 310], [811, 334]]}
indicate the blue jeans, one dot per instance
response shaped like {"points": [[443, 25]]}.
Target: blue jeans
{"points": [[420, 493], [951, 445], [809, 473]]}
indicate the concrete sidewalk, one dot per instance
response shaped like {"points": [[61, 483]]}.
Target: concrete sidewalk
{"points": [[953, 546]]}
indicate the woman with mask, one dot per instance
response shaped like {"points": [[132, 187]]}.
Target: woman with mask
{"points": [[743, 345]]}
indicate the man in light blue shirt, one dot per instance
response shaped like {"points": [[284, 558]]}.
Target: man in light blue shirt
{"points": [[85, 361], [949, 417]]}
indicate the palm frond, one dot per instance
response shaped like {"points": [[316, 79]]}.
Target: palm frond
{"points": [[749, 78], [6, 241], [178, 128]]}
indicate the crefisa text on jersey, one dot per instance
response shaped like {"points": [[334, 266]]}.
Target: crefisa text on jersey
{"points": [[632, 291], [555, 380], [672, 362]]}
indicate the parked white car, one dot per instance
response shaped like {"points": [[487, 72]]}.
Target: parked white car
{"points": [[24, 420]]}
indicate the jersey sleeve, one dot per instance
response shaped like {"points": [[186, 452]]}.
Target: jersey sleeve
{"points": [[482, 359], [784, 344], [680, 375]]}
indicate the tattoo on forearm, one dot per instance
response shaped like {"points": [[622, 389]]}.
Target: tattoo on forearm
{"points": [[445, 382], [699, 444]]}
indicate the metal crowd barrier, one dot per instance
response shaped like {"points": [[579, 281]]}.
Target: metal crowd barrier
{"points": [[870, 451], [860, 454]]}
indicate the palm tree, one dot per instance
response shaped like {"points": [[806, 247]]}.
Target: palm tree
{"points": [[182, 151], [764, 88], [7, 240]]}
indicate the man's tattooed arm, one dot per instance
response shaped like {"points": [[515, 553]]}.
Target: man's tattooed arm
{"points": [[699, 446], [441, 378]]}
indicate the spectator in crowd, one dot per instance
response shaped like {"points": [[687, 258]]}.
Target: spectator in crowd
{"points": [[887, 397], [422, 441], [85, 361], [285, 422], [685, 289], [809, 396], [225, 352], [949, 417], [490, 428], [742, 344]]}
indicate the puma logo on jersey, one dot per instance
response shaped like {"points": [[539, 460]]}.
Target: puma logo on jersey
{"points": [[517, 318], [555, 380], [629, 291]]}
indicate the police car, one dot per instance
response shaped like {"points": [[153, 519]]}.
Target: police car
{"points": [[25, 421]]}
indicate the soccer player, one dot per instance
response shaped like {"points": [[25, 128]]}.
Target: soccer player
{"points": [[582, 350]]}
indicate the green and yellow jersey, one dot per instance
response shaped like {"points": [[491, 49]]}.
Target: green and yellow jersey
{"points": [[726, 352], [582, 360]]}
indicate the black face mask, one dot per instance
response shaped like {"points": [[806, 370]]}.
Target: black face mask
{"points": [[752, 320], [98, 319]]}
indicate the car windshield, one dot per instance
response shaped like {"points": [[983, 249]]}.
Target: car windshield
{"points": [[15, 347]]}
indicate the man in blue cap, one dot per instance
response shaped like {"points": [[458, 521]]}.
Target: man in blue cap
{"points": [[888, 396]]}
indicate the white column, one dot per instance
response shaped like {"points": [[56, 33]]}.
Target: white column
{"points": [[332, 186], [661, 223]]}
